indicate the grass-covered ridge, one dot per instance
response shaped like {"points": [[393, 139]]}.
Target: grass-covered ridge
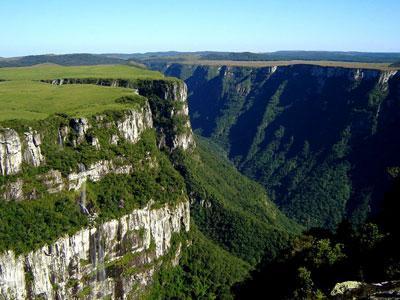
{"points": [[33, 100], [50, 71], [23, 96]]}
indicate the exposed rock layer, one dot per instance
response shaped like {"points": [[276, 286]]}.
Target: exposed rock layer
{"points": [[92, 261]]}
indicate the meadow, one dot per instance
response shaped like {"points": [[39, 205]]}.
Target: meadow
{"points": [[51, 71], [23, 96]]}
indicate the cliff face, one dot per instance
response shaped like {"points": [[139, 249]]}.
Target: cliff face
{"points": [[11, 154], [115, 259], [124, 237], [168, 102], [320, 139]]}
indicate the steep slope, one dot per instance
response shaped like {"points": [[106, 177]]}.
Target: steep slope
{"points": [[234, 224], [302, 132], [229, 208], [91, 206], [95, 203]]}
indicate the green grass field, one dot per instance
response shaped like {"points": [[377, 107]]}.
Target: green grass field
{"points": [[49, 71], [23, 96]]}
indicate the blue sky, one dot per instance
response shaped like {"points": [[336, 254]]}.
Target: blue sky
{"points": [[126, 26]]}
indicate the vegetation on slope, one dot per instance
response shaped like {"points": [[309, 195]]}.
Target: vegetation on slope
{"points": [[233, 226], [302, 134], [230, 208], [316, 261], [205, 271], [28, 225]]}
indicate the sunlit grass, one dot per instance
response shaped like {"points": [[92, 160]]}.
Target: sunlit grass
{"points": [[23, 96], [50, 71], [32, 100]]}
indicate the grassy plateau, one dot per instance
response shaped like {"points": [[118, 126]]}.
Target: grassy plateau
{"points": [[23, 96]]}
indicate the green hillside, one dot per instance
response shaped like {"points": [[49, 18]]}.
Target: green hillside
{"points": [[302, 131], [50, 71], [78, 59], [231, 209], [234, 224], [23, 96]]}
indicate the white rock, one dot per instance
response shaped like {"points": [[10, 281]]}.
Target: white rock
{"points": [[33, 154], [83, 256], [13, 190], [12, 276], [344, 287], [10, 152], [134, 123]]}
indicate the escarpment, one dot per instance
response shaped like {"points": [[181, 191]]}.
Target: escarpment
{"points": [[115, 259], [320, 139], [168, 102], [91, 206]]}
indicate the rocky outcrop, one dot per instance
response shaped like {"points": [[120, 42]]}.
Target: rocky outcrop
{"points": [[32, 153], [80, 127], [116, 259], [95, 172], [11, 149], [10, 152], [362, 290], [53, 181], [134, 123], [177, 131], [184, 138], [168, 90], [14, 191]]}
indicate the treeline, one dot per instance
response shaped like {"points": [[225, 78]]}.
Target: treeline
{"points": [[79, 59], [306, 55], [314, 262]]}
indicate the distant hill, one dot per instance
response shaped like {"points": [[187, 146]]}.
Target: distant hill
{"points": [[80, 59], [377, 57], [308, 55], [64, 60]]}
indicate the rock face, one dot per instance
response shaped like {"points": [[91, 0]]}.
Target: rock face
{"points": [[95, 173], [11, 149], [184, 138], [80, 126], [112, 259], [177, 132], [115, 259], [13, 190], [362, 290], [53, 181], [134, 123], [33, 154], [10, 152], [174, 92]]}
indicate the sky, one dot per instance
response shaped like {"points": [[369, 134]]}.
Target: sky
{"points": [[128, 26]]}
